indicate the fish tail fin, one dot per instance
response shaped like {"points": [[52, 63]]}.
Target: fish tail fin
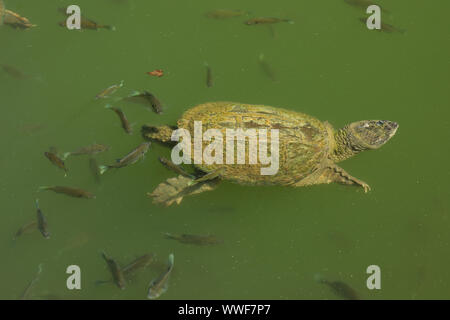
{"points": [[171, 260], [289, 21], [112, 28], [169, 236], [36, 203], [121, 83], [103, 169], [39, 268], [41, 188], [108, 106], [134, 93], [65, 155]]}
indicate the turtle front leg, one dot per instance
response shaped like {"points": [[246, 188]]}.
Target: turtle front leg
{"points": [[337, 174], [332, 173]]}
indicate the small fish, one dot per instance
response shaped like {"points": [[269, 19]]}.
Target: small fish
{"points": [[89, 150], [154, 102], [339, 288], [266, 68], [157, 73], [14, 72], [26, 228], [364, 4], [123, 119], [172, 166], [130, 158], [159, 285], [195, 239], [225, 13], [73, 192], [129, 270], [140, 263], [95, 170], [42, 222], [116, 271], [264, 20], [109, 91], [16, 21], [210, 175], [85, 23], [209, 77], [25, 294], [388, 28], [89, 24], [145, 97], [57, 161]]}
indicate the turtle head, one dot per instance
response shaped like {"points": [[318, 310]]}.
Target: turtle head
{"points": [[362, 135], [371, 134]]}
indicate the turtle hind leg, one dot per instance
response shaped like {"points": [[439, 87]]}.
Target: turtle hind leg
{"points": [[173, 190], [161, 134]]}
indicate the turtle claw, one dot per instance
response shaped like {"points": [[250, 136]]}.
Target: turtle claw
{"points": [[366, 187]]}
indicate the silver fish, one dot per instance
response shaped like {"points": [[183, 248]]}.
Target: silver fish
{"points": [[25, 294], [159, 285], [130, 158], [42, 222]]}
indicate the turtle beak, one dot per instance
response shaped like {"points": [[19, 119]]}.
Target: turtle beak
{"points": [[386, 130], [392, 127]]}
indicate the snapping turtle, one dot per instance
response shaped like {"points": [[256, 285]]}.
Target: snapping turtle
{"points": [[308, 148]]}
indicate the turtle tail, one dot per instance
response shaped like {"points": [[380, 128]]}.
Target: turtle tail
{"points": [[161, 134]]}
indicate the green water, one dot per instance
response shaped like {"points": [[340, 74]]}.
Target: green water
{"points": [[275, 238]]}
